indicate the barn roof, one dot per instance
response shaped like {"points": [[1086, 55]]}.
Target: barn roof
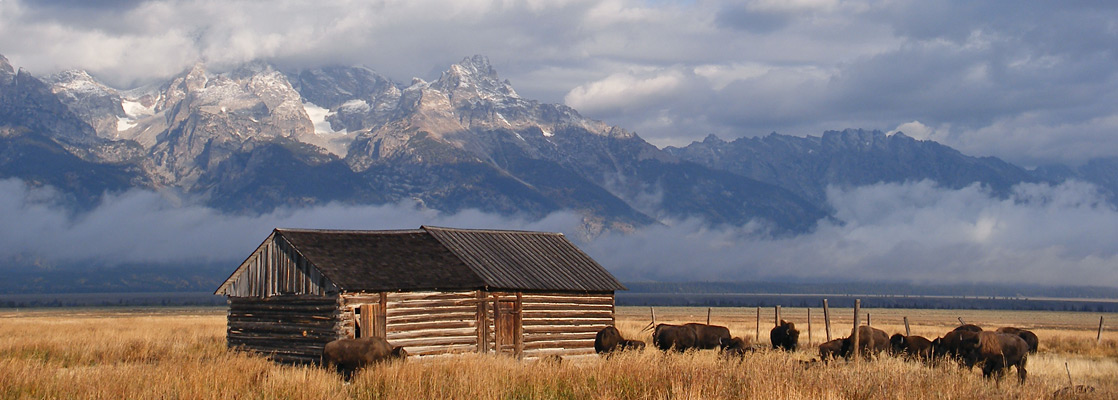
{"points": [[433, 258]]}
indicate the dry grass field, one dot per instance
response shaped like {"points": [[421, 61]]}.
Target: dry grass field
{"points": [[180, 353]]}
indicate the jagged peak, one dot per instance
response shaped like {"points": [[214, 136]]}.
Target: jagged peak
{"points": [[476, 65], [71, 75], [475, 73], [6, 70], [253, 68], [713, 139]]}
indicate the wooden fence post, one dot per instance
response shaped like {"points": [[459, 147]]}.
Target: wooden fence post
{"points": [[827, 319], [708, 315], [907, 332], [776, 320], [758, 324], [856, 349], [653, 311], [867, 319], [809, 326], [961, 322], [1098, 338]]}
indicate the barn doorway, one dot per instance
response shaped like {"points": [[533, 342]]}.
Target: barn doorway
{"points": [[371, 321], [507, 326]]}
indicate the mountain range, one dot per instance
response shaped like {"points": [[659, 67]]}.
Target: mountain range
{"points": [[255, 138]]}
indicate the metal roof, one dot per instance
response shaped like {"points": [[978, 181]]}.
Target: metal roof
{"points": [[526, 260], [433, 258]]}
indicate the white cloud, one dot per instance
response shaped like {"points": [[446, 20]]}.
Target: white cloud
{"points": [[624, 91], [914, 232], [916, 130], [144, 227], [792, 5]]}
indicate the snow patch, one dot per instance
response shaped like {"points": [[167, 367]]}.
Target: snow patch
{"points": [[546, 133], [355, 105], [135, 110], [123, 124], [318, 118]]}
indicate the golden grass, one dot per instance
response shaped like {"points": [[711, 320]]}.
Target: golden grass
{"points": [[162, 353]]}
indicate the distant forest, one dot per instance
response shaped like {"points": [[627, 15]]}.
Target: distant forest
{"points": [[872, 294], [129, 291]]}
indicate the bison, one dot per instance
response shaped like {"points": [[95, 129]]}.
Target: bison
{"points": [[785, 336], [996, 352], [350, 355], [948, 345], [1029, 337], [735, 347], [609, 340], [830, 349], [968, 328], [709, 336], [870, 341], [916, 347], [679, 337]]}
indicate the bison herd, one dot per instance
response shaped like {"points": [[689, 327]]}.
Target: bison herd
{"points": [[968, 345]]}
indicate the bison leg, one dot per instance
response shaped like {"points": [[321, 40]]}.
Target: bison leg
{"points": [[1021, 372]]}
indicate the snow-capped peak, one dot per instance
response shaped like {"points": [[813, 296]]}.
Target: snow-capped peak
{"points": [[6, 68], [474, 75]]}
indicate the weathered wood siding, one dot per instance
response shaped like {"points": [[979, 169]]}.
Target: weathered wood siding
{"points": [[275, 269], [439, 323], [289, 329], [563, 324], [433, 323]]}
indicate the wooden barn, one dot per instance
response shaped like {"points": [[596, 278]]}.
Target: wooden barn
{"points": [[435, 291]]}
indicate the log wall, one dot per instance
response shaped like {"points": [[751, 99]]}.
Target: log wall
{"points": [[433, 323], [439, 323], [294, 328], [275, 269], [287, 329], [563, 324]]}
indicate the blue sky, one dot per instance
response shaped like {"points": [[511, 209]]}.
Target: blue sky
{"points": [[1032, 82]]}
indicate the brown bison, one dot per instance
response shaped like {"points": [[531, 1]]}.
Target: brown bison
{"points": [[948, 345], [996, 352], [709, 336], [915, 347], [350, 355], [666, 337], [609, 340], [968, 328], [830, 349], [784, 336], [871, 341], [736, 347], [1028, 336]]}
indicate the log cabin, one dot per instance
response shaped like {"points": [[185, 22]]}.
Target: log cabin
{"points": [[434, 291]]}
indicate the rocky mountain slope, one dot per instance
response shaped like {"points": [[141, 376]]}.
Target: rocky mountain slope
{"points": [[255, 138], [850, 158]]}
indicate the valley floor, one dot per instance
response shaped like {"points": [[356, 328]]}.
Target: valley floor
{"points": [[181, 353]]}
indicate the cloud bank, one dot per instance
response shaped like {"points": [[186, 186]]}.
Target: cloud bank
{"points": [[1032, 83], [913, 232]]}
